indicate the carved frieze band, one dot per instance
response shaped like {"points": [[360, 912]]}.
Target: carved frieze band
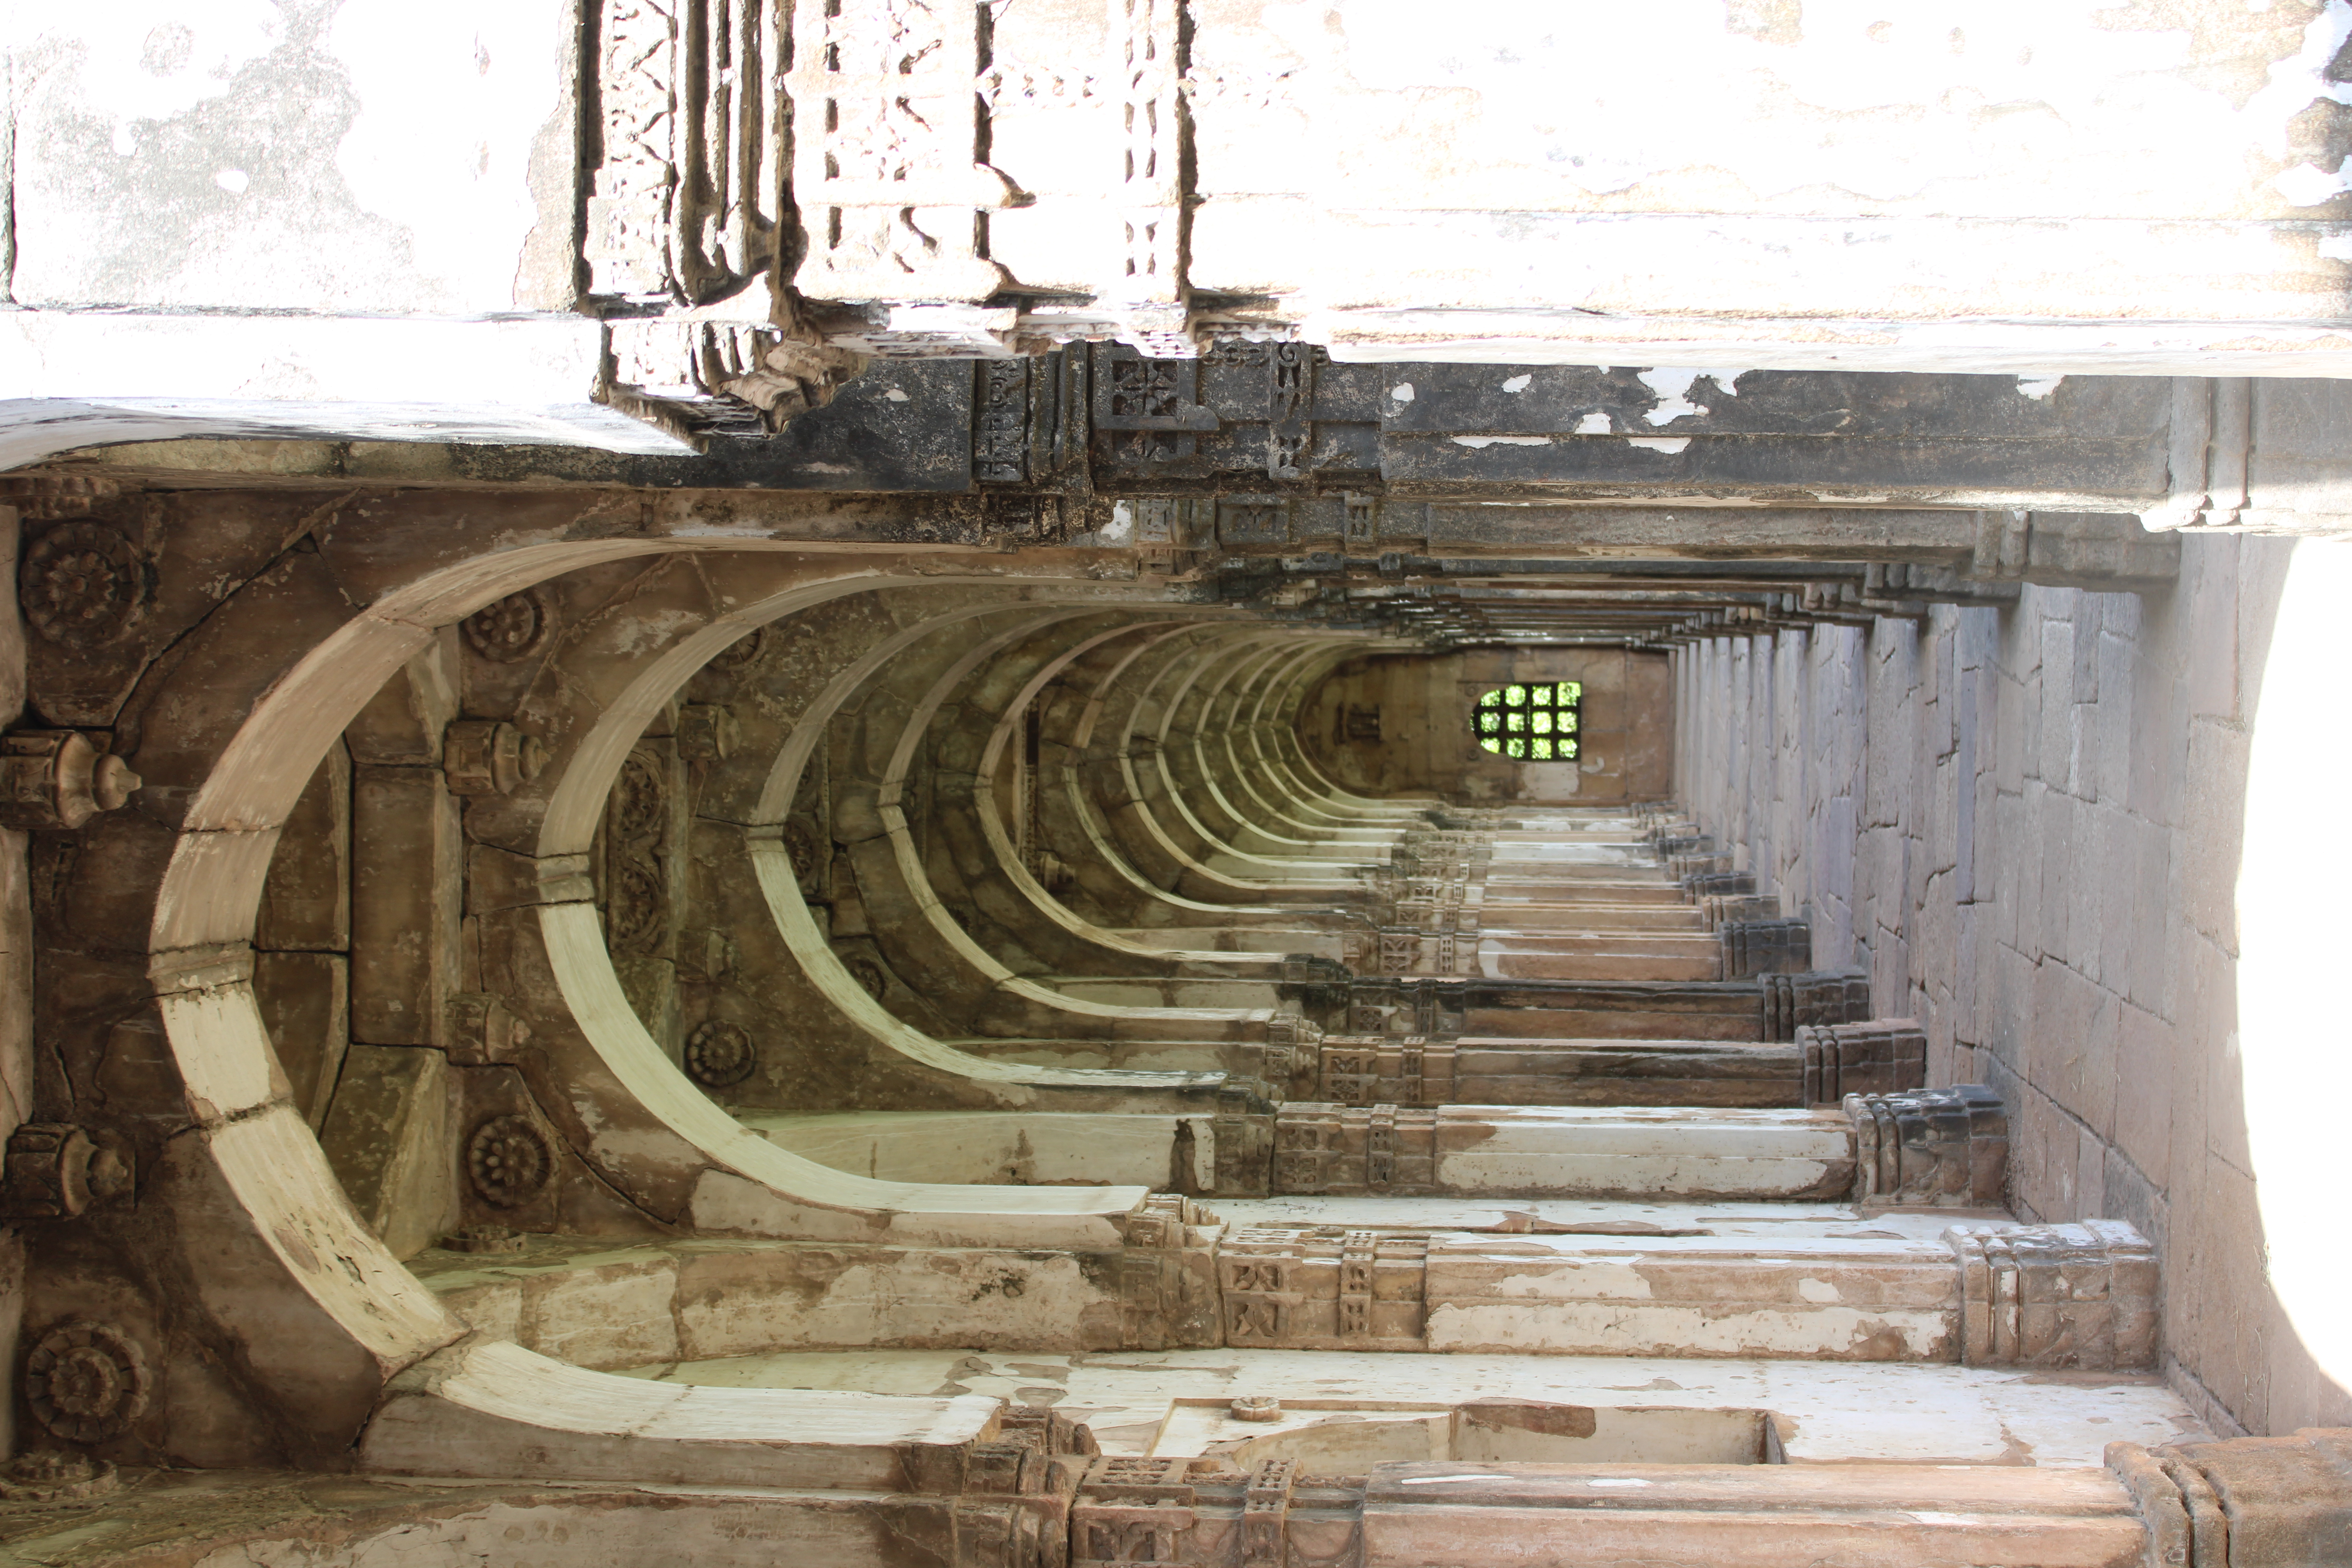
{"points": [[688, 192], [1323, 1287], [885, 161]]}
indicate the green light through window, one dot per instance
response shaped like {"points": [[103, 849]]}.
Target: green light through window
{"points": [[1529, 723]]}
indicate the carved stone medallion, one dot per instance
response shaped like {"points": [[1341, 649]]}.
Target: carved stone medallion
{"points": [[508, 1161], [82, 584], [638, 908], [718, 1054], [511, 629], [86, 1382]]}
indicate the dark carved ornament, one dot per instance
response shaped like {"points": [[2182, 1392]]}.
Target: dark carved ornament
{"points": [[640, 797], [508, 1161], [55, 1172], [86, 1382], [489, 756], [718, 1054], [868, 975], [498, 1238], [801, 844], [639, 910], [47, 1476], [743, 652], [512, 629], [82, 585]]}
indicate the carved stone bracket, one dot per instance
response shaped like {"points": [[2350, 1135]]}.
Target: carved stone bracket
{"points": [[55, 1172], [1941, 1148], [58, 779], [1168, 1282], [2080, 1296], [1013, 1508], [1882, 1057], [2255, 1503], [1792, 1002], [489, 756], [1751, 948]]}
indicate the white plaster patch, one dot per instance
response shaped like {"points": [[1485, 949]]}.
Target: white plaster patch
{"points": [[2296, 84], [2038, 386], [1620, 1481], [1122, 523], [1518, 383], [1433, 1481], [2308, 184], [1402, 392], [1669, 444], [1671, 386], [1925, 1516], [896, 395], [1593, 424], [451, 101], [232, 181], [1502, 440], [2336, 246], [1816, 1290], [156, 60]]}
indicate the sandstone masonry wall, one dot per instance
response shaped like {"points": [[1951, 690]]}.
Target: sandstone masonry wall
{"points": [[2025, 823]]}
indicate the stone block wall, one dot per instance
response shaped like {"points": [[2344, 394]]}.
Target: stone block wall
{"points": [[2025, 823]]}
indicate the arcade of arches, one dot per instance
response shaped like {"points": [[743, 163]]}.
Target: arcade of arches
{"points": [[900, 876]]}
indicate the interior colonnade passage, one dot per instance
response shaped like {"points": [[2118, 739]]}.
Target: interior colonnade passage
{"points": [[1031, 786]]}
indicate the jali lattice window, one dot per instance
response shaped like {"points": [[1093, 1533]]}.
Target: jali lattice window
{"points": [[1531, 723]]}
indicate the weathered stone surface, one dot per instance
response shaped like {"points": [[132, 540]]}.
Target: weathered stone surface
{"points": [[388, 1134], [407, 897], [305, 1003]]}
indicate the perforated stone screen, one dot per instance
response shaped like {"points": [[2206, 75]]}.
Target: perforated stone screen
{"points": [[1529, 723]]}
